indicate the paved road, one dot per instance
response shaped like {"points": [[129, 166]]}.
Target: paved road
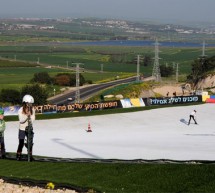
{"points": [[87, 91]]}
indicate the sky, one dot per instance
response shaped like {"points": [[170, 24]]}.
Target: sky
{"points": [[157, 10]]}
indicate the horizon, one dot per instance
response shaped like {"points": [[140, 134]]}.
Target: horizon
{"points": [[167, 11]]}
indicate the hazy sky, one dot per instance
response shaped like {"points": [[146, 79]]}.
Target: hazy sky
{"points": [[166, 10]]}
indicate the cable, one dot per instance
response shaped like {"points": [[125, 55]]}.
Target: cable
{"points": [[134, 161]]}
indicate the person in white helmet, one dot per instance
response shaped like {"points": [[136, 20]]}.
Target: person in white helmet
{"points": [[26, 116]]}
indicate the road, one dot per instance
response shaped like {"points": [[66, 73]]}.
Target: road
{"points": [[86, 92]]}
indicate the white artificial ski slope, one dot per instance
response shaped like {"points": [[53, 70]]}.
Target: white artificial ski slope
{"points": [[151, 134]]}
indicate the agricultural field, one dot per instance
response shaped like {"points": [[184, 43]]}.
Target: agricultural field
{"points": [[15, 74], [114, 58], [19, 63]]}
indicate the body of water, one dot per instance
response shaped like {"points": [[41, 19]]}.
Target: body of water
{"points": [[139, 43]]}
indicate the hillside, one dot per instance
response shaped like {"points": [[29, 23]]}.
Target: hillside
{"points": [[207, 83]]}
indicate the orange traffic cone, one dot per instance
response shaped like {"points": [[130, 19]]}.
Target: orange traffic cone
{"points": [[89, 128]]}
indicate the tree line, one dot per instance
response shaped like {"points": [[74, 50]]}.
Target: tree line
{"points": [[200, 68], [38, 88]]}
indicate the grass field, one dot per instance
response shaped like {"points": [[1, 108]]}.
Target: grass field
{"points": [[24, 61], [116, 178], [93, 56], [15, 74]]}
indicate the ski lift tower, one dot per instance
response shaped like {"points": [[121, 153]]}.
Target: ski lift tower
{"points": [[156, 68]]}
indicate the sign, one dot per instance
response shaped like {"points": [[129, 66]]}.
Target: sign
{"points": [[174, 100]]}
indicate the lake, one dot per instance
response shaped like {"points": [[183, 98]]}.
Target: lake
{"points": [[139, 43]]}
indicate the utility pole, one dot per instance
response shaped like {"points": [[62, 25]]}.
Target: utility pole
{"points": [[77, 92], [203, 56], [203, 49], [156, 67], [176, 72], [138, 68], [173, 65], [102, 66]]}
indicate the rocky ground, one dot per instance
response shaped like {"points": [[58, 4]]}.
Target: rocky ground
{"points": [[169, 90], [18, 188], [206, 84]]}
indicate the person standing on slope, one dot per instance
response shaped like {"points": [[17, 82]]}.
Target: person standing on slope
{"points": [[26, 116], [192, 116], [2, 129]]}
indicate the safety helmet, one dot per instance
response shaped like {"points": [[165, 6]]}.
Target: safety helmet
{"points": [[28, 99], [1, 111]]}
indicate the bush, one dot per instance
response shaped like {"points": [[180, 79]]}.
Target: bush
{"points": [[38, 92], [66, 79], [166, 71], [10, 96], [42, 77]]}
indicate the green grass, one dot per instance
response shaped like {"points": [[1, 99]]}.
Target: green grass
{"points": [[93, 56], [117, 177], [22, 75], [16, 78]]}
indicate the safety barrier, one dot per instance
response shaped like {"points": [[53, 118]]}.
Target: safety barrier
{"points": [[123, 103]]}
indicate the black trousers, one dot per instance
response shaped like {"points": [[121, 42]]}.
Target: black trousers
{"points": [[22, 136], [2, 146], [192, 117], [20, 146]]}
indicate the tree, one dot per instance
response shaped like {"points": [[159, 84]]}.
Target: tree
{"points": [[196, 71], [42, 77], [66, 79], [166, 71], [38, 92], [10, 96], [73, 79], [200, 67], [147, 60], [62, 80]]}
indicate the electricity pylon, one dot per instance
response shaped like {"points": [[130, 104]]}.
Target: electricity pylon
{"points": [[77, 92], [156, 68]]}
